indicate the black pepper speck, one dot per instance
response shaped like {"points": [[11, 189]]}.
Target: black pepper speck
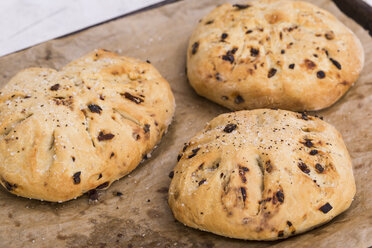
{"points": [[194, 152], [244, 193], [54, 87], [303, 167], [335, 63], [239, 99], [102, 136], [179, 156], [76, 177], [9, 186], [195, 47], [202, 181], [254, 52], [319, 168], [229, 128], [280, 196], [326, 208], [271, 72], [95, 108], [320, 74], [103, 185], [146, 128], [228, 57], [241, 6], [313, 152], [132, 98], [308, 143]]}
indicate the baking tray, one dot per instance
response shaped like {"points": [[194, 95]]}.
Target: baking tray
{"points": [[141, 216]]}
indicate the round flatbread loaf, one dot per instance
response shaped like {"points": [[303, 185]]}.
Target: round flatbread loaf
{"points": [[262, 175], [273, 54], [66, 132]]}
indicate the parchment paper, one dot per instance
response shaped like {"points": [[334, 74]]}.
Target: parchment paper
{"points": [[141, 216]]}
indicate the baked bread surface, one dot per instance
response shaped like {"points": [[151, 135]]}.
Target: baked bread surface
{"points": [[66, 132], [262, 175], [273, 54]]}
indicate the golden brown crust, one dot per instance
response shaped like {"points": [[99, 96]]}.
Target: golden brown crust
{"points": [[262, 175], [273, 54], [64, 133]]}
